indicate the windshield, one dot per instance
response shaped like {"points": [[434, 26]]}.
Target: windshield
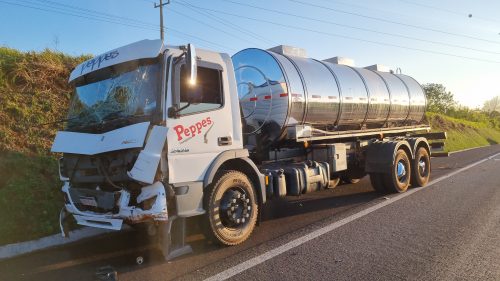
{"points": [[126, 93]]}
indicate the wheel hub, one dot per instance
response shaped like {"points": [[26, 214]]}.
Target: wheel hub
{"points": [[421, 167], [235, 208], [401, 170]]}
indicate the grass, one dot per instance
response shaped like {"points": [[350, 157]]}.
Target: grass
{"points": [[30, 197], [33, 91], [463, 134]]}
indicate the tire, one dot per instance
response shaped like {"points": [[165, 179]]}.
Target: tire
{"points": [[398, 183], [232, 194], [421, 168], [377, 182]]}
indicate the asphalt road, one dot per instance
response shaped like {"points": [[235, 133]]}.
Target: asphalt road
{"points": [[447, 231]]}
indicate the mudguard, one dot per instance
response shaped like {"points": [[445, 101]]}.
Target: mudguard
{"points": [[380, 155], [241, 154]]}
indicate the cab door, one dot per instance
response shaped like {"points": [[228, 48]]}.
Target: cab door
{"points": [[203, 127]]}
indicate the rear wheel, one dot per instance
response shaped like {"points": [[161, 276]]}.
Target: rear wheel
{"points": [[421, 168], [232, 208], [398, 179]]}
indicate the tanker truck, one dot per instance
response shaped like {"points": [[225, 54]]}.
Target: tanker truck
{"points": [[159, 134]]}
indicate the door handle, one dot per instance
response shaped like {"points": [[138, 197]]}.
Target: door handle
{"points": [[224, 141]]}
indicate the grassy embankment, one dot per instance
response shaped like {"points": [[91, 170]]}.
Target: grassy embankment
{"points": [[463, 134], [34, 91]]}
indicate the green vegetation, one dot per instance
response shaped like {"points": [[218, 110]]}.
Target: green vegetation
{"points": [[33, 91], [30, 199], [463, 134], [466, 127]]}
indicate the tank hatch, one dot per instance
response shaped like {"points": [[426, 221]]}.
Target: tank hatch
{"points": [[289, 51]]}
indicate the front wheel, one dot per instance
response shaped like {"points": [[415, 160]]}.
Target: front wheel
{"points": [[421, 168], [232, 208]]}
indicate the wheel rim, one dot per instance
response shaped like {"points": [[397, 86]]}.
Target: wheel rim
{"points": [[235, 208], [401, 171], [422, 167]]}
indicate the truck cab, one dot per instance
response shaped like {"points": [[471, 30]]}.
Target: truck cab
{"points": [[145, 135]]}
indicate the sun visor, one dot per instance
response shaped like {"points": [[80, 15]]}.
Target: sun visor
{"points": [[139, 50]]}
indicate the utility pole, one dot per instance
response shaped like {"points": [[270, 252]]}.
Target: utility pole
{"points": [[161, 16]]}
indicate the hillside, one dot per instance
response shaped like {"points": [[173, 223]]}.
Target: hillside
{"points": [[33, 91], [463, 134]]}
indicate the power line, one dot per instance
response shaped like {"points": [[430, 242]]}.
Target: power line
{"points": [[295, 27], [75, 15], [109, 19], [150, 2], [361, 28], [211, 26], [59, 5], [446, 10], [393, 22], [226, 23]]}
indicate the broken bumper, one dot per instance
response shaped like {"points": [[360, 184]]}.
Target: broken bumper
{"points": [[154, 194]]}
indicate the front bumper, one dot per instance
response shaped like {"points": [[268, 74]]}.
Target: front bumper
{"points": [[125, 213]]}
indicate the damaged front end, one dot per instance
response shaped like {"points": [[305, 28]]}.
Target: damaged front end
{"points": [[109, 209], [109, 188]]}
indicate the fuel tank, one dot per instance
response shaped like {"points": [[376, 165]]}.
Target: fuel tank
{"points": [[282, 87]]}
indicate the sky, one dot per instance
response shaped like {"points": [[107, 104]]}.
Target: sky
{"points": [[454, 43]]}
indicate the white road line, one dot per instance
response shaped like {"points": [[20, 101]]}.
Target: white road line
{"points": [[230, 272]]}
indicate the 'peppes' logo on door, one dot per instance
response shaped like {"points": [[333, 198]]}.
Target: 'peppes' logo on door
{"points": [[186, 133]]}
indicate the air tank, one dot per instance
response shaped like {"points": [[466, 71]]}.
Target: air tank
{"points": [[281, 87]]}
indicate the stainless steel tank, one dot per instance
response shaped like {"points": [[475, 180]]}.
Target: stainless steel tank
{"points": [[280, 87]]}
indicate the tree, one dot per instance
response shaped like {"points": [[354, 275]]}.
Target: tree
{"points": [[438, 99], [492, 105]]}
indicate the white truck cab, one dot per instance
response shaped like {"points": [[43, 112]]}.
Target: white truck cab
{"points": [[143, 133]]}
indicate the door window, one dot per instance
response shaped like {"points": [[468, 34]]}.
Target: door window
{"points": [[206, 95]]}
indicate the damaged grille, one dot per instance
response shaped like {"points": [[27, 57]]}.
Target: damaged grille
{"points": [[95, 200], [85, 169]]}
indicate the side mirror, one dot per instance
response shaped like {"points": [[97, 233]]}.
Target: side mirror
{"points": [[191, 63]]}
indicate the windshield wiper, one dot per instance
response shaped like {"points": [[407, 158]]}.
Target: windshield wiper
{"points": [[124, 119], [79, 116]]}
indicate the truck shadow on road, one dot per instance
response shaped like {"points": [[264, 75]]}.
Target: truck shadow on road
{"points": [[121, 250]]}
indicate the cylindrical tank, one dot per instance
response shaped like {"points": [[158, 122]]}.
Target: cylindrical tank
{"points": [[277, 90]]}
